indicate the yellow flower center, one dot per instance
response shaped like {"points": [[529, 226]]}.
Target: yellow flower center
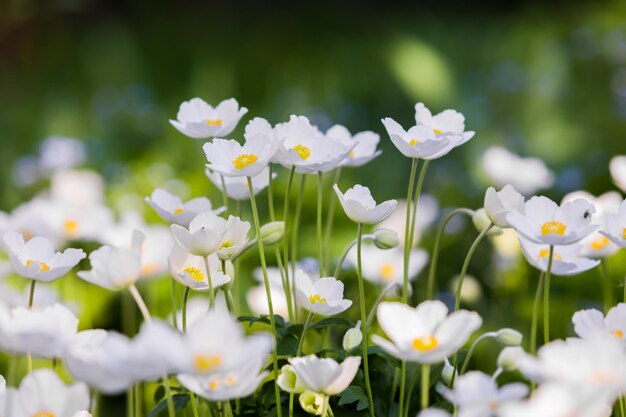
{"points": [[214, 122], [178, 211], [351, 154], [425, 343], [303, 151], [316, 298], [207, 363], [244, 160], [624, 233], [194, 273], [42, 265], [544, 253], [618, 334], [226, 245], [44, 413], [70, 227], [230, 381], [438, 131], [214, 385], [599, 243], [556, 228], [387, 271], [414, 142]]}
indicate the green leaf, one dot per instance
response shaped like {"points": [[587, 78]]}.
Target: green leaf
{"points": [[354, 394], [287, 345], [180, 402], [159, 393]]}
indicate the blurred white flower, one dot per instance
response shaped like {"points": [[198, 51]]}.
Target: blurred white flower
{"points": [[173, 210], [498, 204], [427, 209], [433, 412], [364, 143], [204, 235], [325, 375], [386, 267], [81, 188], [58, 152], [197, 307], [190, 270], [527, 175], [566, 259], [231, 159], [257, 297], [615, 228], [323, 296], [237, 187], [481, 221], [471, 291], [509, 357], [200, 120], [360, 206], [617, 166], [591, 324]]}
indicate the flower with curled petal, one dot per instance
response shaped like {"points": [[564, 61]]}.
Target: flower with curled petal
{"points": [[199, 120]]}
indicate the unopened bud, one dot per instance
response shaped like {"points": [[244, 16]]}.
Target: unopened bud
{"points": [[481, 222], [272, 233], [510, 357], [312, 402], [386, 239], [353, 337], [447, 373], [509, 337]]}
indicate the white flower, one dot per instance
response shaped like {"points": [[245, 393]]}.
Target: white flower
{"points": [[615, 228], [260, 126], [426, 333], [36, 259], [386, 266], [420, 141], [325, 375], [82, 188], [234, 239], [476, 394], [617, 166], [471, 291], [323, 296], [171, 209], [204, 235], [566, 259], [190, 270], [427, 209], [200, 120], [197, 307], [238, 383], [43, 333], [503, 167], [257, 297], [58, 152], [115, 267], [360, 207], [433, 412], [448, 122], [509, 357], [42, 394], [288, 380], [237, 187], [543, 221], [498, 204], [231, 159], [591, 324], [364, 149]]}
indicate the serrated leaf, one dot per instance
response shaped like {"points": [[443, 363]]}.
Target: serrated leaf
{"points": [[354, 394], [180, 401]]}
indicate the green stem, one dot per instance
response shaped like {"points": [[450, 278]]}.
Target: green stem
{"points": [[330, 217], [409, 391], [416, 199], [320, 242], [425, 386], [130, 402], [185, 298], [307, 323], [346, 251], [535, 317], [366, 370], [402, 388], [472, 349], [381, 297], [31, 294], [270, 192], [208, 276], [433, 263], [174, 305], [407, 236], [607, 286], [224, 192], [257, 228], [138, 400], [466, 263], [546, 299], [294, 238], [288, 224]]}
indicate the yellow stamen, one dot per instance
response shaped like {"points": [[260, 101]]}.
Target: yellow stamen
{"points": [[599, 243], [178, 211], [303, 151], [70, 227], [351, 154], [556, 228], [214, 122], [618, 334], [244, 160], [425, 343], [214, 385], [44, 413], [414, 142], [226, 245], [230, 381], [624, 233], [387, 271], [207, 363], [42, 265], [544, 253], [194, 273], [438, 131], [316, 298]]}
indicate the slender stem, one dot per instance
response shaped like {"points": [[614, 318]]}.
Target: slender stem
{"points": [[411, 385], [607, 286], [325, 407], [185, 299], [208, 276], [288, 224], [416, 198], [402, 388], [381, 297], [347, 251], [138, 400], [320, 242], [270, 192], [394, 384], [472, 349], [224, 192], [31, 294], [257, 228], [359, 270], [130, 402], [294, 238], [407, 236], [546, 299], [466, 263], [174, 305], [425, 386], [330, 217], [535, 318], [307, 323], [168, 393], [433, 263]]}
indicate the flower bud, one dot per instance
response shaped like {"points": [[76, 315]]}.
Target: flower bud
{"points": [[353, 337], [386, 239], [312, 402], [272, 233], [509, 337], [447, 373], [481, 221], [288, 380], [509, 358]]}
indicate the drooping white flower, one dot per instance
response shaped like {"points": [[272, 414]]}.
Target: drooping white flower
{"points": [[200, 120], [237, 187], [498, 204], [173, 210], [386, 267], [37, 259], [527, 175], [615, 228], [364, 143], [234, 239], [204, 235], [43, 333], [115, 267], [257, 296], [424, 334], [323, 296], [591, 324], [360, 206], [617, 166], [325, 375], [58, 152], [543, 221], [476, 394], [190, 270], [420, 141], [231, 159], [566, 259], [448, 122]]}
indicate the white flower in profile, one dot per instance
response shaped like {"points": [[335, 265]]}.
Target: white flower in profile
{"points": [[364, 143], [476, 394], [424, 334], [617, 166], [199, 120], [100, 358], [498, 204], [234, 239], [42, 394], [115, 267], [231, 159], [190, 270], [173, 210], [360, 206], [323, 296], [43, 333], [420, 142], [448, 122], [204, 235], [428, 209], [257, 297], [238, 383], [237, 187], [527, 175], [543, 221], [58, 152], [385, 267], [566, 259], [325, 375], [591, 324], [37, 259], [615, 228]]}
